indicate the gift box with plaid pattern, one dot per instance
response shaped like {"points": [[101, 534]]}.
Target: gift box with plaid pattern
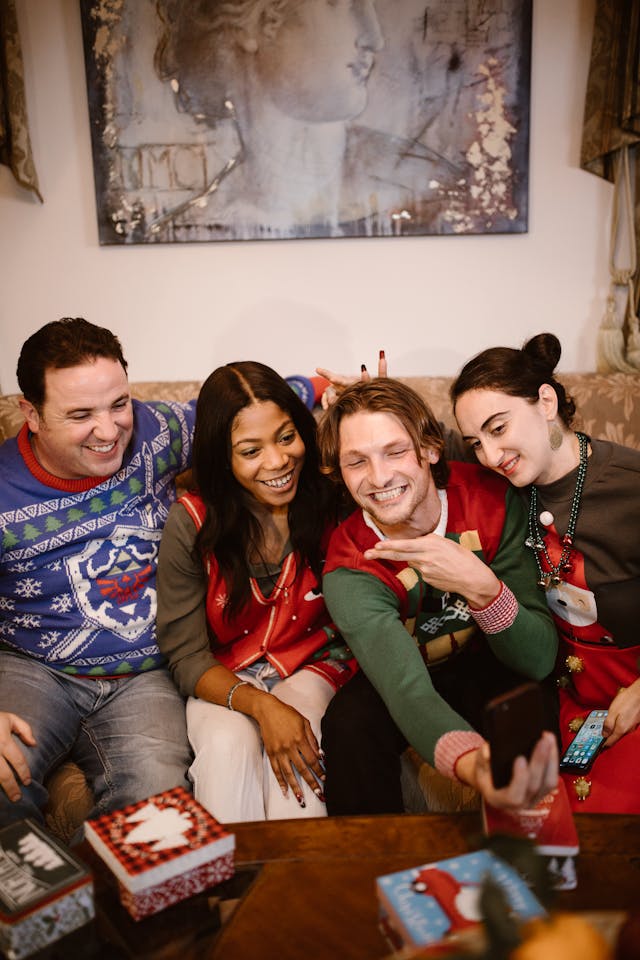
{"points": [[162, 850]]}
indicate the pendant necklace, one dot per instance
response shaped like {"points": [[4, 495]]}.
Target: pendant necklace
{"points": [[551, 576], [272, 577]]}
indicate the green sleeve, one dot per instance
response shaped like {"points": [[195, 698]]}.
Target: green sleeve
{"points": [[529, 646], [181, 622], [366, 613]]}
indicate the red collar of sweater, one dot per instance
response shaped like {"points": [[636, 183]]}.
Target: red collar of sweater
{"points": [[48, 479]]}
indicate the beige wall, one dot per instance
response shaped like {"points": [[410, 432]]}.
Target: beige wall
{"points": [[429, 301]]}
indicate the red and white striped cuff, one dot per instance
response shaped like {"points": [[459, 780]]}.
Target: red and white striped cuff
{"points": [[499, 614], [451, 746]]}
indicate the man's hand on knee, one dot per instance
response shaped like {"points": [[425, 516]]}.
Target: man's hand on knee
{"points": [[12, 760]]}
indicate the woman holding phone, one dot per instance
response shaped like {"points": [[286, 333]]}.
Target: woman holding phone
{"points": [[584, 531]]}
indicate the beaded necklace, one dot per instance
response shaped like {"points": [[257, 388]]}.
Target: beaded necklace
{"points": [[551, 576]]}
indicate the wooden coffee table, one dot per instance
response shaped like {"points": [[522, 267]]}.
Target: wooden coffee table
{"points": [[305, 889], [315, 894]]}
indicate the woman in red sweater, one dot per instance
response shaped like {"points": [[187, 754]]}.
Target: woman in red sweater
{"points": [[584, 531], [241, 617]]}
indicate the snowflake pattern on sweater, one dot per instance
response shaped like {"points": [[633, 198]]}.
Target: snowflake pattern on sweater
{"points": [[78, 570]]}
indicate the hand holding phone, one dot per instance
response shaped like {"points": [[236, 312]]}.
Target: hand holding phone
{"points": [[513, 724], [585, 746]]}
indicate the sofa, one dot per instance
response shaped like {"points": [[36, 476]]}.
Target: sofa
{"points": [[609, 407]]}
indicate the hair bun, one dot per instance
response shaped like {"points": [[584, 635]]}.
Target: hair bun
{"points": [[545, 349]]}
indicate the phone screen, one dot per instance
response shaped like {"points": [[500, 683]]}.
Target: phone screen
{"points": [[582, 750], [513, 724]]}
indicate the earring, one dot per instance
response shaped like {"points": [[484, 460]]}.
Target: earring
{"points": [[555, 436]]}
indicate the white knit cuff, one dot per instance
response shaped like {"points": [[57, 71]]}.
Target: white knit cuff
{"points": [[499, 614], [453, 745]]}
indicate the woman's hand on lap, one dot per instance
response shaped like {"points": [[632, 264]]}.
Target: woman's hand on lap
{"points": [[624, 713], [291, 746]]}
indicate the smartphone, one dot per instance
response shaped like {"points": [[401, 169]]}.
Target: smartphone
{"points": [[513, 724], [584, 747]]}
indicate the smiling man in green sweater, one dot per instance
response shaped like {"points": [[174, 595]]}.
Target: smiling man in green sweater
{"points": [[430, 584]]}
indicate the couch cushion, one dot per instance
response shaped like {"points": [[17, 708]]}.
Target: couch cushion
{"points": [[608, 404], [11, 418], [70, 801]]}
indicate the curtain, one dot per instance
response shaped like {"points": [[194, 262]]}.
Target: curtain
{"points": [[15, 144], [611, 149]]}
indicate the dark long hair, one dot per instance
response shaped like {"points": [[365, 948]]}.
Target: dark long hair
{"points": [[518, 373], [230, 529]]}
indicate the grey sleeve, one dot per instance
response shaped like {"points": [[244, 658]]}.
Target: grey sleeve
{"points": [[181, 622]]}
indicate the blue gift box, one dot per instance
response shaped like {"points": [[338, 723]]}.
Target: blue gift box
{"points": [[437, 900]]}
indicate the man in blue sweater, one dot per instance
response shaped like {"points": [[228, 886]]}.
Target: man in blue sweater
{"points": [[85, 489]]}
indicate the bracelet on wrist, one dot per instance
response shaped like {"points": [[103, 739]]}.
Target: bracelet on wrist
{"points": [[232, 690]]}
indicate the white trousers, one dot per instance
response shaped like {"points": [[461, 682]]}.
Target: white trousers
{"points": [[231, 773]]}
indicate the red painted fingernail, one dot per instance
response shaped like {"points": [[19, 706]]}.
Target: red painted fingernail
{"points": [[381, 354], [300, 799], [363, 368]]}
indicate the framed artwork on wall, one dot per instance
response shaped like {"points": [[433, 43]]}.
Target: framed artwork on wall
{"points": [[286, 119]]}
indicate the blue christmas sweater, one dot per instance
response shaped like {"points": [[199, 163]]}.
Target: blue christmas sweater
{"points": [[78, 558]]}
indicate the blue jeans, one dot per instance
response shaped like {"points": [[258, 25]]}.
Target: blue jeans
{"points": [[128, 735]]}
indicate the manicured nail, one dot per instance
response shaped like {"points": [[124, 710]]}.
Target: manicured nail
{"points": [[363, 368], [319, 794], [381, 355], [300, 799]]}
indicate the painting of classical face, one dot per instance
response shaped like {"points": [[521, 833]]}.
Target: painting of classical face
{"points": [[277, 119], [316, 66]]}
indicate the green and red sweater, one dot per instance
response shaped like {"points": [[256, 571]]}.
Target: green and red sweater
{"points": [[397, 625]]}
